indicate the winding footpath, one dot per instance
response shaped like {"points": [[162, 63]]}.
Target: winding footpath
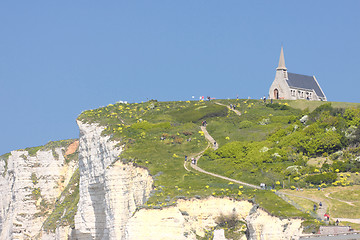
{"points": [[212, 143], [234, 110]]}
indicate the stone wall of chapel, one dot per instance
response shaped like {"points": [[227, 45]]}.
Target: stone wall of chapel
{"points": [[280, 84]]}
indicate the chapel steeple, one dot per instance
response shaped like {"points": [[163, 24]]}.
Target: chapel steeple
{"points": [[281, 65]]}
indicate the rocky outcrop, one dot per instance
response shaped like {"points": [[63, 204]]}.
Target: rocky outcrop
{"points": [[186, 220], [109, 189], [191, 218], [261, 225], [110, 193], [30, 183]]}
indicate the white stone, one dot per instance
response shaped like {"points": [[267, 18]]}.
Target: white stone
{"points": [[19, 212]]}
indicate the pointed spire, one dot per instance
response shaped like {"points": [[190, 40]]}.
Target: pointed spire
{"points": [[281, 60]]}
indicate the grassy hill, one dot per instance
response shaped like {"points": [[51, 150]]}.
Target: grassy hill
{"points": [[266, 144]]}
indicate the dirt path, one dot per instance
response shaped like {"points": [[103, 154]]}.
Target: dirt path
{"points": [[212, 145], [320, 211], [352, 220], [209, 138], [327, 195], [222, 177], [234, 110]]}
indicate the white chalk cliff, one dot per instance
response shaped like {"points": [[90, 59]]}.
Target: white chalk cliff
{"points": [[110, 192], [29, 186]]}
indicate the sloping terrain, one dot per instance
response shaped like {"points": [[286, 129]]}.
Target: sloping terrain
{"points": [[266, 144], [307, 146]]}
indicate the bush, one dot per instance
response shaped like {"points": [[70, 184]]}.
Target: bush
{"points": [[277, 106], [245, 124], [197, 114], [321, 178], [229, 221]]}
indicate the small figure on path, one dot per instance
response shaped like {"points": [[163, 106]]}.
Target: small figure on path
{"points": [[234, 106], [320, 205], [185, 158], [215, 144], [231, 106], [337, 222], [315, 207], [193, 160], [264, 98]]}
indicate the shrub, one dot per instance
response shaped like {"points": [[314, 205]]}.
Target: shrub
{"points": [[229, 221], [245, 124], [195, 115], [277, 106], [317, 179]]}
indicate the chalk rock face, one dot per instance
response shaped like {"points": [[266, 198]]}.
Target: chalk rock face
{"points": [[261, 225], [191, 218], [29, 184], [109, 192], [185, 220]]}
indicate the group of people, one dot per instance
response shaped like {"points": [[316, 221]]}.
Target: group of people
{"points": [[232, 106], [203, 123], [193, 160]]}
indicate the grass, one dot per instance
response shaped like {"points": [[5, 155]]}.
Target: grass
{"points": [[158, 135], [311, 105], [308, 205], [354, 226], [334, 197], [50, 146], [5, 158]]}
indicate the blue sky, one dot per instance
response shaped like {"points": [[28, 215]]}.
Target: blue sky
{"points": [[59, 58]]}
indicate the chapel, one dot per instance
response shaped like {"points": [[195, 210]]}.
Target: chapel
{"points": [[292, 86]]}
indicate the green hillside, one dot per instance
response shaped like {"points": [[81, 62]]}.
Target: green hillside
{"points": [[266, 144]]}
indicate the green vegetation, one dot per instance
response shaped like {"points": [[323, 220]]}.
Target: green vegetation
{"points": [[65, 206], [342, 202], [158, 135], [266, 144], [233, 227], [34, 178], [5, 158], [72, 157], [279, 158], [50, 146]]}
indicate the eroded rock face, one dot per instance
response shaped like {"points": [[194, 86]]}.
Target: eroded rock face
{"points": [[194, 217], [109, 190], [29, 187], [261, 225], [185, 220]]}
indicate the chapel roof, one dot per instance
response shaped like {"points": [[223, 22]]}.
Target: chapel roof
{"points": [[304, 82]]}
